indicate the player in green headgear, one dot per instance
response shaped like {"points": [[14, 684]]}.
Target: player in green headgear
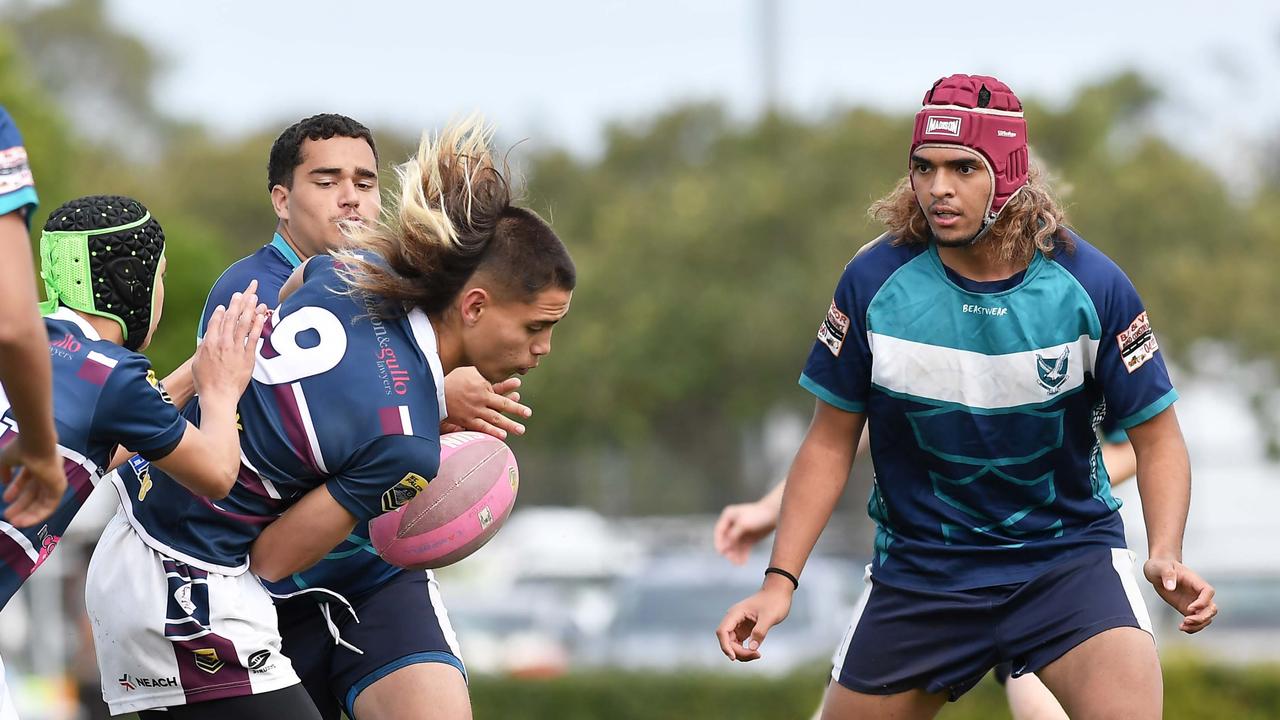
{"points": [[101, 255]]}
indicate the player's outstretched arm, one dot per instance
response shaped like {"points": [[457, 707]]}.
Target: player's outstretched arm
{"points": [[27, 379], [743, 525], [1119, 460], [817, 477], [1164, 482], [207, 459], [475, 404], [302, 536]]}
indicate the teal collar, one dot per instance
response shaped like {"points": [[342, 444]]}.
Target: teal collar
{"points": [[1037, 262], [279, 243]]}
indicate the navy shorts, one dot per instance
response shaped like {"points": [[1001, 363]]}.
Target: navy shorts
{"points": [[403, 622], [940, 641]]}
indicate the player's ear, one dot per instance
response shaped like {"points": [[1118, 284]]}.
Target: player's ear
{"points": [[280, 201], [473, 304]]}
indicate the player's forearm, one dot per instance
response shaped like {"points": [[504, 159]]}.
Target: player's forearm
{"points": [[301, 537], [1119, 460], [814, 484], [24, 343], [1164, 483], [180, 384], [222, 441], [773, 498]]}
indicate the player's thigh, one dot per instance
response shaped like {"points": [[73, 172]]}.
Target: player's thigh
{"points": [[841, 703], [1029, 699], [424, 691], [404, 632], [1114, 674]]}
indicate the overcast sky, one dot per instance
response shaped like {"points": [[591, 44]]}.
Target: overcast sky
{"points": [[556, 71]]}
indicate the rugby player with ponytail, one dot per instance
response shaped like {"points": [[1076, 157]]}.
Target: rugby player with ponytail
{"points": [[454, 276]]}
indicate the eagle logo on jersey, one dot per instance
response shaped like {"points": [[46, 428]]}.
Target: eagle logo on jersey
{"points": [[207, 660], [404, 491], [1052, 371]]}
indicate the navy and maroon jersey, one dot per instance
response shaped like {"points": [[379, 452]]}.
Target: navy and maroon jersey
{"points": [[103, 396], [341, 396]]}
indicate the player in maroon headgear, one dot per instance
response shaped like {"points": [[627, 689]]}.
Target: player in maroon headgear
{"points": [[982, 342]]}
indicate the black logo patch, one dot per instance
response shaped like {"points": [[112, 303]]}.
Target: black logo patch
{"points": [[258, 659]]}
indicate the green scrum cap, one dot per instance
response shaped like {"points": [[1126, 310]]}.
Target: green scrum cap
{"points": [[100, 255]]}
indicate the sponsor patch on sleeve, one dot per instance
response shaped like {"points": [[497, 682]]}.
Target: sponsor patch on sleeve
{"points": [[404, 491], [15, 173], [1137, 343], [833, 329], [155, 383]]}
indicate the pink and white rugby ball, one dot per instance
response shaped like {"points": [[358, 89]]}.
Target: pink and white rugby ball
{"points": [[459, 510]]}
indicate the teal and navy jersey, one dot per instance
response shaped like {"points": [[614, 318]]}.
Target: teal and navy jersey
{"points": [[340, 397], [103, 396], [271, 266], [354, 566], [983, 402], [17, 188]]}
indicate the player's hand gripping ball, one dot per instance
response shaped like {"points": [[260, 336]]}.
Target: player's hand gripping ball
{"points": [[458, 512]]}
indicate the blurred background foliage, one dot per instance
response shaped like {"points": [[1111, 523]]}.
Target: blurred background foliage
{"points": [[707, 246]]}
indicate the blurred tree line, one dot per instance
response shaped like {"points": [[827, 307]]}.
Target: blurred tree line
{"points": [[707, 247]]}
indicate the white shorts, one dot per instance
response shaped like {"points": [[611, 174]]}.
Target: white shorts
{"points": [[7, 711], [170, 634]]}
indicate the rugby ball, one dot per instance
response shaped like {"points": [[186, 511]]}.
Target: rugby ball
{"points": [[458, 512]]}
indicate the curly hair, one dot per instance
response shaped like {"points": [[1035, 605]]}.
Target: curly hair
{"points": [[1032, 220], [286, 151]]}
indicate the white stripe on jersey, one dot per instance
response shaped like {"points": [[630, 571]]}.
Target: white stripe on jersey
{"points": [[309, 427], [267, 484], [425, 334], [405, 423], [21, 539], [126, 503], [101, 359], [973, 379]]}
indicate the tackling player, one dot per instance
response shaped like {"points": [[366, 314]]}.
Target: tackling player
{"points": [[342, 418], [984, 343], [102, 260], [322, 177]]}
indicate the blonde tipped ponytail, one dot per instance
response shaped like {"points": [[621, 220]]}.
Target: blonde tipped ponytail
{"points": [[450, 200]]}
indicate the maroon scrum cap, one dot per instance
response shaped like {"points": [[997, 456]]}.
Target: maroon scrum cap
{"points": [[980, 113]]}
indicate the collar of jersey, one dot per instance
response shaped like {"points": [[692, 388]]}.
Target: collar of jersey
{"points": [[424, 335], [278, 242], [1037, 262], [66, 314]]}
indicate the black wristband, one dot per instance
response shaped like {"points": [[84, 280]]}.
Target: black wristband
{"points": [[783, 573]]}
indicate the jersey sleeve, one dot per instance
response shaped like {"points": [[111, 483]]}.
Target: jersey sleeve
{"points": [[135, 411], [17, 186], [385, 473], [838, 370], [1129, 366]]}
